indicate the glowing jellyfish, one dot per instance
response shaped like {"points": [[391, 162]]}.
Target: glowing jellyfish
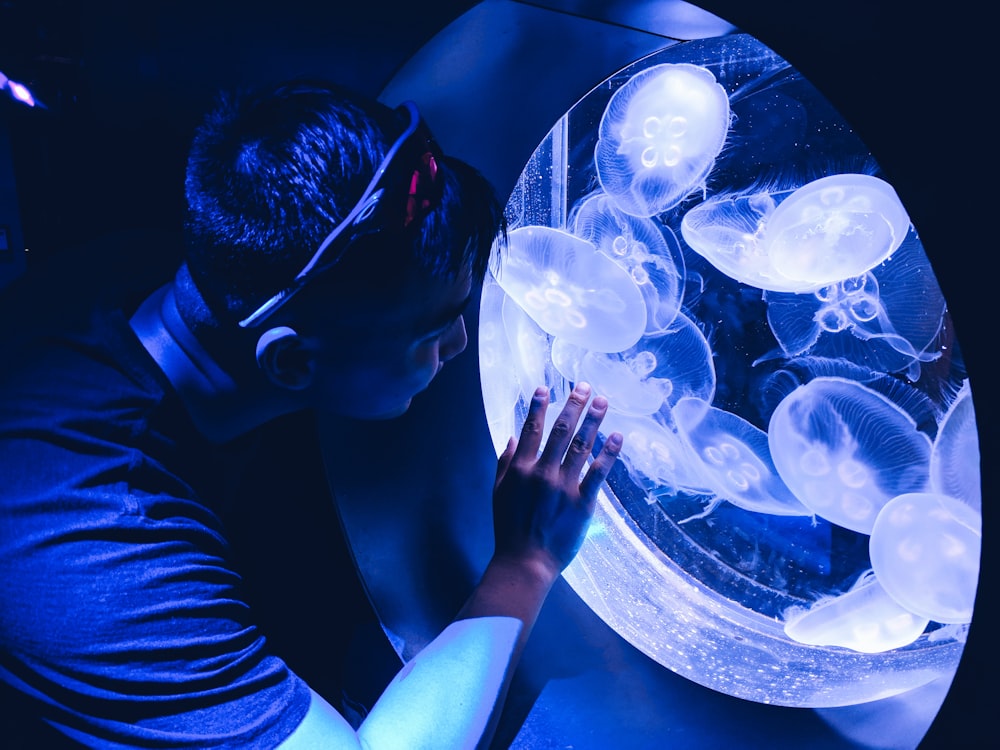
{"points": [[864, 619], [497, 371], [566, 358], [685, 357], [835, 228], [845, 450], [955, 455], [648, 251], [925, 550], [660, 135], [628, 379], [734, 459], [654, 455], [727, 231], [529, 348], [572, 290], [641, 380], [869, 319]]}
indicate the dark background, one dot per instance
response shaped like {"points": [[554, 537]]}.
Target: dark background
{"points": [[126, 82]]}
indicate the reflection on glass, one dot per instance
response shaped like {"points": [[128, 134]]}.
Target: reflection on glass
{"points": [[705, 241]]}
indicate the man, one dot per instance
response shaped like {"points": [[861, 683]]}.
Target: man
{"points": [[331, 250]]}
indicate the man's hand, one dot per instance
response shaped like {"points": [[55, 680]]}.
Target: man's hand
{"points": [[541, 506]]}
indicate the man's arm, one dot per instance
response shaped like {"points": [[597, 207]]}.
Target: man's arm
{"points": [[450, 694]]}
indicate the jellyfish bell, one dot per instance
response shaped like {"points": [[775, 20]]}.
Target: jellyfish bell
{"points": [[497, 366], [727, 230], [572, 290], [529, 347], [733, 455], [925, 550], [654, 455], [659, 136], [835, 228], [955, 455], [648, 251], [869, 319], [865, 619], [845, 450]]}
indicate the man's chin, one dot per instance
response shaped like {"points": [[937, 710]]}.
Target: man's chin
{"points": [[392, 413]]}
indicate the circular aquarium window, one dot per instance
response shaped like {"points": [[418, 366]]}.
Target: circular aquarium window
{"points": [[796, 517]]}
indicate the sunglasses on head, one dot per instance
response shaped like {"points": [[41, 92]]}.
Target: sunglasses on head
{"points": [[402, 190]]}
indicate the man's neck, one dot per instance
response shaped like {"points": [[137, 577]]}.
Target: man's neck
{"points": [[220, 407]]}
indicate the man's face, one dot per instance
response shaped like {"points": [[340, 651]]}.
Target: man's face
{"points": [[384, 356]]}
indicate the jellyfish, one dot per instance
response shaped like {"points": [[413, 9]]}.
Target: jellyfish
{"points": [[566, 358], [641, 380], [835, 228], [654, 455], [659, 137], [529, 347], [727, 231], [869, 319], [571, 290], [955, 454], [925, 549], [733, 457], [845, 450], [649, 252], [497, 371], [685, 357], [864, 619], [628, 379]]}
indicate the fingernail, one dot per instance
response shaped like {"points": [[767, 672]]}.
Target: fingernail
{"points": [[583, 389], [615, 440]]}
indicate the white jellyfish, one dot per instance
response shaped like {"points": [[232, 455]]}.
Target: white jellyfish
{"points": [[734, 459], [835, 228], [628, 379], [660, 135], [572, 290], [653, 454], [846, 450], [864, 619], [529, 347], [648, 251], [868, 319], [497, 371], [727, 231], [925, 550], [955, 454]]}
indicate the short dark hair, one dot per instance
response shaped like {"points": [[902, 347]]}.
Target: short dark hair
{"points": [[271, 172]]}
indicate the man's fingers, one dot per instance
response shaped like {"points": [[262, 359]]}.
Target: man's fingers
{"points": [[583, 442], [565, 425], [503, 463], [599, 470], [534, 423]]}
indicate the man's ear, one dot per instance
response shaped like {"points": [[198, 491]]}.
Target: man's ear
{"points": [[285, 359]]}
